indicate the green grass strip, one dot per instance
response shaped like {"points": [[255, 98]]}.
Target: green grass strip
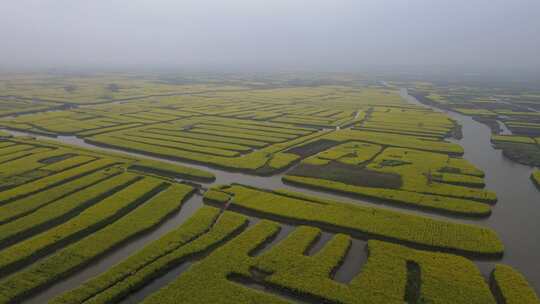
{"points": [[87, 222], [29, 163], [195, 142], [81, 253], [21, 154], [14, 149], [171, 170], [367, 221], [62, 209], [510, 287], [33, 202], [182, 134], [52, 180], [197, 234], [535, 177], [206, 282], [181, 146], [68, 163], [421, 200]]}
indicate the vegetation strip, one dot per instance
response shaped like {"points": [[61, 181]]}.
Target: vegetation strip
{"points": [[53, 180], [62, 210], [535, 177], [87, 222], [227, 275], [424, 201], [201, 232], [81, 253], [29, 204], [362, 221], [510, 287]]}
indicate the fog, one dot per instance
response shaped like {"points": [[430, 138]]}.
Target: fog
{"points": [[278, 33]]}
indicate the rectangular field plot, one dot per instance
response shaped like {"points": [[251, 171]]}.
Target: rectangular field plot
{"points": [[222, 142], [358, 220], [39, 164], [419, 172], [244, 130], [408, 121]]}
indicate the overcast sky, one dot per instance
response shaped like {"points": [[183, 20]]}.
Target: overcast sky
{"points": [[272, 33]]}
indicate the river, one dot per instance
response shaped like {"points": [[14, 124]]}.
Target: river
{"points": [[515, 217]]}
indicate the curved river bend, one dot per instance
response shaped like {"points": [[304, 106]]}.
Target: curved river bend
{"points": [[516, 216]]}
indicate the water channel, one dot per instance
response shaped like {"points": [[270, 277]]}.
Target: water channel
{"points": [[515, 217]]}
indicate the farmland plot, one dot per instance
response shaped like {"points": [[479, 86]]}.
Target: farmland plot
{"points": [[64, 209]]}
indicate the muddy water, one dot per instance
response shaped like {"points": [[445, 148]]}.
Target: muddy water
{"points": [[516, 216]]}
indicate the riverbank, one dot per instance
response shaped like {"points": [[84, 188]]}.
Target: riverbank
{"points": [[515, 216]]}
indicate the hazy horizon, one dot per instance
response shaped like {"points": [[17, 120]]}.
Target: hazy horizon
{"points": [[281, 34]]}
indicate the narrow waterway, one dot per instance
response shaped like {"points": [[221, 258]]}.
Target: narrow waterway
{"points": [[118, 254], [227, 177], [516, 216]]}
